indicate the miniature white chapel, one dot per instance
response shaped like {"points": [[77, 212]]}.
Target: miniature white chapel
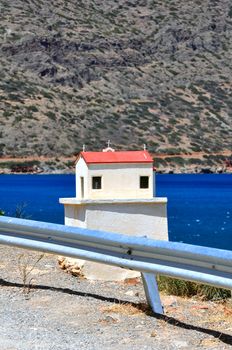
{"points": [[115, 193]]}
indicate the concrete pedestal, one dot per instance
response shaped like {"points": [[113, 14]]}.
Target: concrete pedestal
{"points": [[135, 217]]}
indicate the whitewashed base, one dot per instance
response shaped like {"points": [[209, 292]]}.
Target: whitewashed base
{"points": [[131, 217]]}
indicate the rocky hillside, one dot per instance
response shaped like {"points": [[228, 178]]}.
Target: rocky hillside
{"points": [[135, 72]]}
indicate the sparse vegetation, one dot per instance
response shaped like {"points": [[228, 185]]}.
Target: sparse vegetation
{"points": [[26, 266], [20, 211], [134, 74], [189, 289]]}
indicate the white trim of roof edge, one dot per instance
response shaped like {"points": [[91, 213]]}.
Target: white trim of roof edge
{"points": [[71, 201], [91, 163]]}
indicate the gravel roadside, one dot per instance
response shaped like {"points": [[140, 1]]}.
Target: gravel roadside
{"points": [[60, 311]]}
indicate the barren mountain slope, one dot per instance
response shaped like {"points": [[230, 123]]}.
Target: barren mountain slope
{"points": [[154, 72]]}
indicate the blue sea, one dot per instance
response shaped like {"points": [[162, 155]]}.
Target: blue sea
{"points": [[199, 206]]}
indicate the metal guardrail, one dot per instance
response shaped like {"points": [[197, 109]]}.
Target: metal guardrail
{"points": [[150, 257]]}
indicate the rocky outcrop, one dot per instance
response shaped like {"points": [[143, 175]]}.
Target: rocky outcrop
{"points": [[95, 271]]}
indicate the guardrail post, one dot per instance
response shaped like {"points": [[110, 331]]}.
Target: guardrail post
{"points": [[152, 292]]}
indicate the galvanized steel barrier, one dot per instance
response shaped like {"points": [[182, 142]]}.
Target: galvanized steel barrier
{"points": [[150, 257]]}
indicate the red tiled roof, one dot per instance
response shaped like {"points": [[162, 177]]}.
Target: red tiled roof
{"points": [[116, 157]]}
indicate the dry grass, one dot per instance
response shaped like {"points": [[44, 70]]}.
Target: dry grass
{"points": [[209, 342], [26, 266], [224, 313], [128, 309]]}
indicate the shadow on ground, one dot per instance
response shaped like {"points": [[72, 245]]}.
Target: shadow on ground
{"points": [[223, 337]]}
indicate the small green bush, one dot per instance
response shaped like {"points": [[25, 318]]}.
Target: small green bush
{"points": [[32, 108], [51, 115]]}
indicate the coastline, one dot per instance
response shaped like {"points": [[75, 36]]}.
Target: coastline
{"points": [[169, 170], [192, 163], [70, 170]]}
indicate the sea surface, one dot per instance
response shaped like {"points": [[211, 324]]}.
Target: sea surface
{"points": [[199, 206]]}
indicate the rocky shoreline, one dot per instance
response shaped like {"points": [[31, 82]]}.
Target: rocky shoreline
{"points": [[196, 170], [160, 170], [164, 164], [206, 170]]}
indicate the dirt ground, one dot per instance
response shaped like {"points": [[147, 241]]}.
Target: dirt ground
{"points": [[59, 311]]}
